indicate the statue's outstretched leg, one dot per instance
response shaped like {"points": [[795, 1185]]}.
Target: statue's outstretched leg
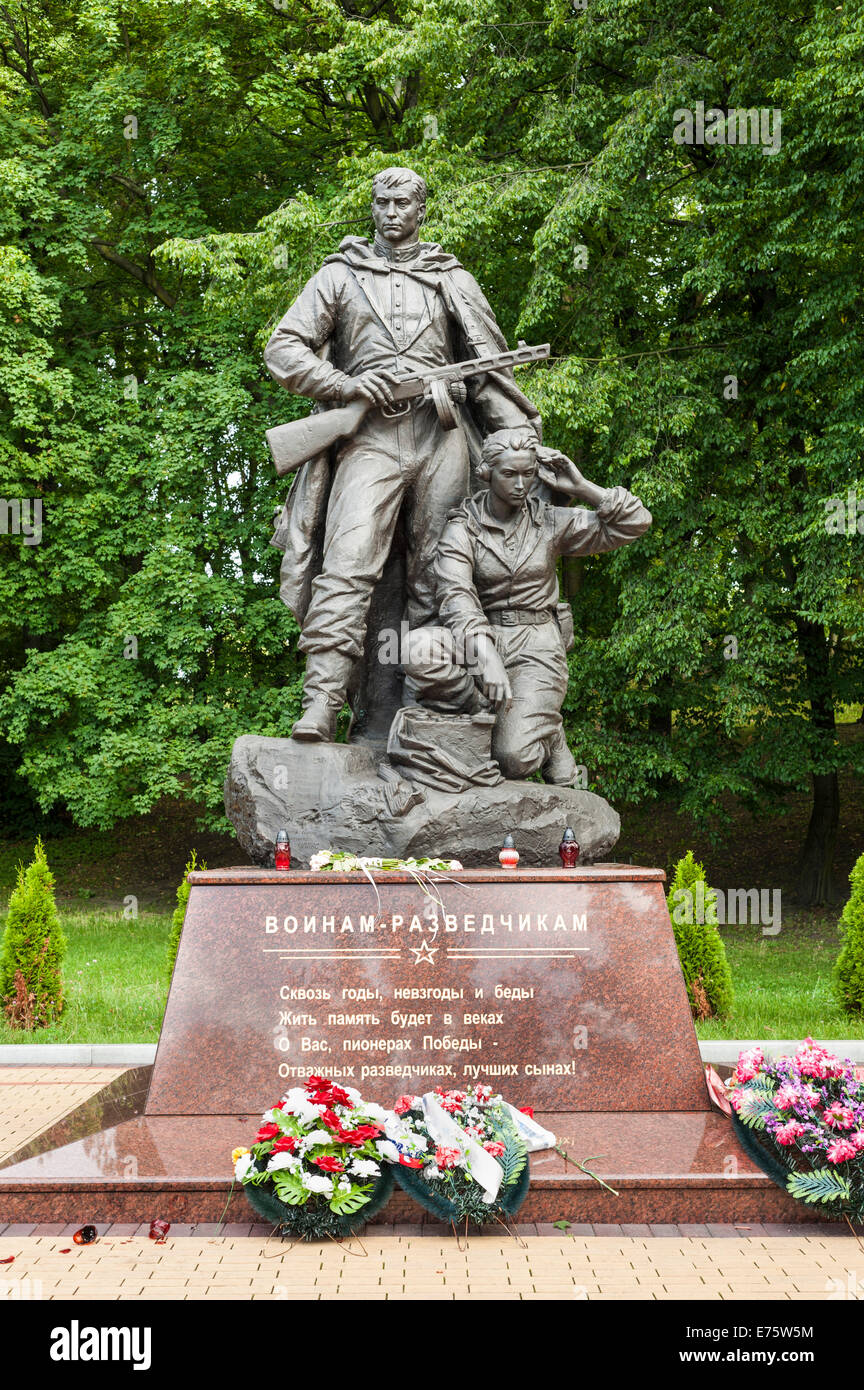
{"points": [[361, 519]]}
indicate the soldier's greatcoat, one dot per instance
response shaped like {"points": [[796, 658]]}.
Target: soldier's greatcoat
{"points": [[369, 309]]}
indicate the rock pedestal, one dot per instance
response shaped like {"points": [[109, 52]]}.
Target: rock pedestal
{"points": [[332, 795]]}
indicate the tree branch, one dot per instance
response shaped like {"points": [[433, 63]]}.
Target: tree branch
{"points": [[131, 185], [22, 48], [143, 274]]}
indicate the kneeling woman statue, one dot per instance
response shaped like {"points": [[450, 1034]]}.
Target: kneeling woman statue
{"points": [[499, 642]]}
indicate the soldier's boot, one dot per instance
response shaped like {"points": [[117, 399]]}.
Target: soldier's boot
{"points": [[317, 723], [560, 767], [324, 687]]}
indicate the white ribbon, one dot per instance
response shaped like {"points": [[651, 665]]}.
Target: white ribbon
{"points": [[534, 1136], [485, 1169]]}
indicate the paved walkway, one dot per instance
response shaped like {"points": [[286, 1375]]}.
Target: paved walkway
{"points": [[778, 1268], [720, 1263], [32, 1098]]}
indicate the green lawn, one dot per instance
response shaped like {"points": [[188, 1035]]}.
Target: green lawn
{"points": [[116, 985], [115, 980], [782, 985]]}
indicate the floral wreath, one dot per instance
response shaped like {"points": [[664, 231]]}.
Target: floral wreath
{"points": [[460, 1154], [315, 1169], [801, 1119]]}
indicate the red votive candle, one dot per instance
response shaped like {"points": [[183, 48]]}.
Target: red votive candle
{"points": [[568, 849], [282, 852]]}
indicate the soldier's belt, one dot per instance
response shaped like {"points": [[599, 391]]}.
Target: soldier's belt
{"points": [[517, 617]]}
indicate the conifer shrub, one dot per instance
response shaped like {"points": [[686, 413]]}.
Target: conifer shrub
{"points": [[179, 916], [693, 909], [849, 967], [31, 981]]}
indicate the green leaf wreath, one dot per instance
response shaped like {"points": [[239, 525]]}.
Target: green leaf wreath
{"points": [[445, 1177], [801, 1120], [315, 1170], [341, 1217]]}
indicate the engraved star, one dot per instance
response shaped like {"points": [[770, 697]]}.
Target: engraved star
{"points": [[424, 952]]}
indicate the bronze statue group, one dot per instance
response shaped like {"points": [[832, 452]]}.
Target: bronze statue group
{"points": [[487, 630]]}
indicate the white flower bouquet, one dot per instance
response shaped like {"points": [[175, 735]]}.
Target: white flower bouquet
{"points": [[315, 1169], [340, 861]]}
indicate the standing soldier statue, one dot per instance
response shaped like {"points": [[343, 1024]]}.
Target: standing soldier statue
{"points": [[390, 340], [435, 612]]}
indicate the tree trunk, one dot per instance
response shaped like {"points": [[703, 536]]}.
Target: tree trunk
{"points": [[572, 569], [816, 882], [660, 722]]}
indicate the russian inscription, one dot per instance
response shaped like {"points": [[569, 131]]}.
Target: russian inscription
{"points": [[532, 983], [394, 1042]]}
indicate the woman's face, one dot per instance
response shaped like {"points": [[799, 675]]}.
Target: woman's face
{"points": [[511, 477]]}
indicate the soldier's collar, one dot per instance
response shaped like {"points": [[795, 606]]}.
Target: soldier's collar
{"points": [[396, 255], [426, 264]]}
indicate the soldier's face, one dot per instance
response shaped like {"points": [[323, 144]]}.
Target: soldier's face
{"points": [[511, 478], [396, 212]]}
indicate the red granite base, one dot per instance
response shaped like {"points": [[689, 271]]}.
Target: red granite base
{"points": [[566, 982], [665, 1168], [594, 1027]]}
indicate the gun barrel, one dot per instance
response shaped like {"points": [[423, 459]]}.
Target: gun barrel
{"points": [[416, 385], [298, 440], [505, 359]]}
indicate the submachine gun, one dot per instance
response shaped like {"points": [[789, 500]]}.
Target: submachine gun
{"points": [[298, 440]]}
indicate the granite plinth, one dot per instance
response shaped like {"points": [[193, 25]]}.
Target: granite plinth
{"points": [[327, 794], [561, 986], [665, 1168], [570, 1001]]}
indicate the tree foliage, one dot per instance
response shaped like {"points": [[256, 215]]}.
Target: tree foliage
{"points": [[702, 301], [693, 909]]}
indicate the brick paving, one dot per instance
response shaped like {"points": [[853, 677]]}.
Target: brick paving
{"points": [[583, 1268], [403, 1262]]}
